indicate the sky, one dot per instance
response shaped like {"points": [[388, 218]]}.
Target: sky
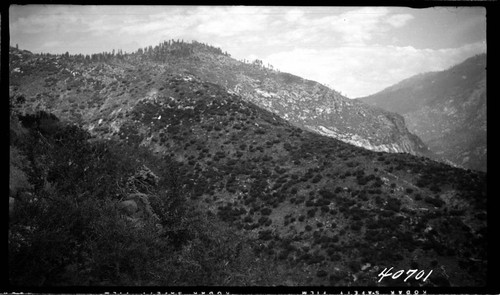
{"points": [[355, 50]]}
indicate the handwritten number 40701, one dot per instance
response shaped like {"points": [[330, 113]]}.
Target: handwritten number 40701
{"points": [[386, 273]]}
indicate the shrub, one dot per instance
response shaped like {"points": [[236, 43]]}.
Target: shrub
{"points": [[317, 178], [309, 203], [283, 255], [311, 212], [435, 188], [356, 226], [260, 131], [335, 257], [436, 201], [315, 259], [248, 219], [265, 235], [262, 220], [354, 265], [322, 202], [327, 194], [18, 180], [86, 239], [266, 211], [393, 204], [362, 180]]}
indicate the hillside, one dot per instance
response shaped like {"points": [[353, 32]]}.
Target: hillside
{"points": [[446, 109], [232, 194], [306, 104]]}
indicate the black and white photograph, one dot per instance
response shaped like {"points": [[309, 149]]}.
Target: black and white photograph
{"points": [[247, 146]]}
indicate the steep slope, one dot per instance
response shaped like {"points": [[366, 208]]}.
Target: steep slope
{"points": [[306, 104], [446, 109], [313, 210]]}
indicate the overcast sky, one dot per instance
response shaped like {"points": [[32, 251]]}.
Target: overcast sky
{"points": [[355, 50]]}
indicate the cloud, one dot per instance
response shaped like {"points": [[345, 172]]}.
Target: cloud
{"points": [[294, 15], [358, 26], [231, 21], [113, 26], [46, 20], [399, 20], [362, 70], [311, 26], [148, 25], [51, 44]]}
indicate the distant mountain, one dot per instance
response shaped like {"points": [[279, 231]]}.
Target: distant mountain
{"points": [[446, 109], [127, 172]]}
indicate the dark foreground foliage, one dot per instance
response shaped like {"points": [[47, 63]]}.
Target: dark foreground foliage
{"points": [[66, 228]]}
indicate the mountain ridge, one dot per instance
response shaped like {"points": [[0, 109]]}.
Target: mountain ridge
{"points": [[447, 109], [305, 103]]}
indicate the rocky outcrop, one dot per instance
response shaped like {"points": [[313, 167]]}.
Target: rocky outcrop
{"points": [[136, 208], [128, 207], [313, 106]]}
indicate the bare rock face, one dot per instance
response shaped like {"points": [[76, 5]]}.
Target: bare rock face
{"points": [[307, 104], [328, 113], [446, 109]]}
